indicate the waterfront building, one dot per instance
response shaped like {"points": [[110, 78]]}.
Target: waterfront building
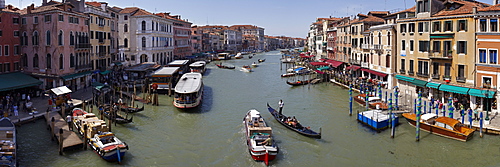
{"points": [[436, 49], [253, 36], [11, 59], [145, 37], [271, 43], [196, 39], [331, 35], [56, 44], [182, 37]]}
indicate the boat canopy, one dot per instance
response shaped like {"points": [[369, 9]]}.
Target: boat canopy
{"points": [[165, 72], [61, 90], [189, 83], [428, 116]]}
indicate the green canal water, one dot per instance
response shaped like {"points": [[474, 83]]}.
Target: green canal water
{"points": [[212, 135]]}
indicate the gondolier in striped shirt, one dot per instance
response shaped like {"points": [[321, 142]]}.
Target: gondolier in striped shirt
{"points": [[281, 104]]}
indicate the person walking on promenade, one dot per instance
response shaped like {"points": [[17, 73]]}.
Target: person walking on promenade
{"points": [[68, 120], [476, 111], [281, 104]]}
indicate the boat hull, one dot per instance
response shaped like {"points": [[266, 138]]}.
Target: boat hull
{"points": [[440, 131], [308, 133], [378, 122], [187, 105]]}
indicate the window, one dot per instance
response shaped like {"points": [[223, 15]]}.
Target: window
{"points": [[17, 50], [60, 18], [447, 46], [143, 42], [423, 67], [493, 25], [16, 33], [125, 27], [388, 38], [48, 18], [71, 38], [35, 61], [60, 38], [24, 60], [436, 26], [7, 67], [411, 27], [462, 25], [403, 28], [35, 20], [482, 55], [92, 35], [493, 56], [487, 82], [436, 46], [24, 39], [426, 26], [411, 45], [448, 26], [403, 45], [1, 67], [71, 60], [482, 25], [61, 62], [23, 20], [423, 46], [143, 25], [462, 47], [1, 50], [1, 33], [6, 50], [421, 27], [15, 20], [35, 38], [411, 66], [447, 69], [461, 71], [47, 38], [435, 68], [125, 42], [48, 60], [125, 17]]}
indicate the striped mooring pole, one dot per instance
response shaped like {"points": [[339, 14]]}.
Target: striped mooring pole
{"points": [[418, 115]]}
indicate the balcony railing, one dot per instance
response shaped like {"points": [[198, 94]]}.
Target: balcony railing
{"points": [[460, 79], [436, 76], [411, 72], [365, 46], [378, 47], [402, 71], [365, 65], [443, 54], [83, 46], [423, 75]]}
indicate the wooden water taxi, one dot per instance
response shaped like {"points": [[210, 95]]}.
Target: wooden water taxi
{"points": [[373, 102], [442, 126], [260, 143]]}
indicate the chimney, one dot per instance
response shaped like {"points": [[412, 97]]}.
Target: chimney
{"points": [[474, 10], [103, 6], [495, 2], [9, 7], [44, 2]]}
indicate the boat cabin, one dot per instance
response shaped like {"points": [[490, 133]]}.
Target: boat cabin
{"points": [[165, 78], [138, 73], [223, 56], [198, 66]]}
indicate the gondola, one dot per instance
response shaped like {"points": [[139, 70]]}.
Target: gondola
{"points": [[117, 117], [306, 131], [297, 83], [130, 109], [262, 60]]}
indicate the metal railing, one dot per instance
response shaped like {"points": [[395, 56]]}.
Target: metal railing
{"points": [[441, 54]]}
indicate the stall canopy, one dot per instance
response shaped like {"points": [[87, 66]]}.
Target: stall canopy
{"points": [[334, 63], [354, 67], [454, 89], [319, 63], [481, 93], [17, 80], [374, 72], [61, 90]]}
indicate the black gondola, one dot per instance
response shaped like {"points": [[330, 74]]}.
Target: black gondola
{"points": [[130, 109], [298, 83], [306, 131], [262, 60], [117, 117]]}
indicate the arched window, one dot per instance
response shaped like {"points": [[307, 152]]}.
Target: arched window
{"points": [[47, 38], [49, 61], [60, 38], [71, 38], [380, 38], [71, 60], [125, 28], [35, 61], [143, 25], [125, 42], [35, 38], [24, 60], [143, 42], [24, 40], [61, 62]]}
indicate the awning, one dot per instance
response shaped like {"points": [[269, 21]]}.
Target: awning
{"points": [[454, 89], [374, 72], [319, 72], [77, 75], [319, 63], [304, 56], [105, 72], [61, 90], [354, 67], [405, 78], [419, 82], [323, 68], [17, 80], [433, 85], [334, 63], [481, 93]]}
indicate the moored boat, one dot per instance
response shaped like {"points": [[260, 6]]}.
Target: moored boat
{"points": [[293, 124], [130, 109], [198, 66], [118, 118], [257, 132], [298, 83], [8, 155], [373, 102], [288, 74], [442, 126], [189, 91], [376, 119]]}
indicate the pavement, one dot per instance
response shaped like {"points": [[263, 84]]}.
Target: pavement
{"points": [[41, 105], [407, 102]]}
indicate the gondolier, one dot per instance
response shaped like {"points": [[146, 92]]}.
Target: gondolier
{"points": [[281, 104]]}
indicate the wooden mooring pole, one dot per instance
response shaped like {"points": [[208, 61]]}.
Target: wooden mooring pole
{"points": [[52, 123], [61, 139], [85, 131]]}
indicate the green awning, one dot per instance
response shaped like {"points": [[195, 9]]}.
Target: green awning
{"points": [[454, 89], [405, 78], [105, 72], [323, 68], [77, 75], [481, 93], [433, 85], [441, 36], [17, 80], [419, 82], [118, 63]]}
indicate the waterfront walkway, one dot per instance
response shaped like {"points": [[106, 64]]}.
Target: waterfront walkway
{"points": [[406, 104]]}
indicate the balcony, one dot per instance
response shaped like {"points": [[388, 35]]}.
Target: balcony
{"points": [[436, 76], [378, 47], [441, 54], [83, 46], [461, 79], [411, 72], [423, 75], [365, 65], [402, 71], [365, 46]]}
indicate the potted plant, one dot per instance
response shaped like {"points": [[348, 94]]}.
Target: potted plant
{"points": [[447, 78], [449, 53]]}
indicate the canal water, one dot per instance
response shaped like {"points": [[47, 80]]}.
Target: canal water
{"points": [[213, 135]]}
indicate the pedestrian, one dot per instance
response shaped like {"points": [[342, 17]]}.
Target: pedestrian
{"points": [[69, 120], [476, 111], [16, 111], [432, 102], [281, 104]]}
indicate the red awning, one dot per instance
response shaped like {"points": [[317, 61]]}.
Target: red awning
{"points": [[319, 63], [374, 72], [319, 72], [334, 63], [354, 67], [304, 56]]}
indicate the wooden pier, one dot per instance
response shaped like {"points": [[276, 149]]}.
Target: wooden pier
{"points": [[70, 139]]}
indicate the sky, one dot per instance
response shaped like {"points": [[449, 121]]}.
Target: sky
{"points": [[290, 18]]}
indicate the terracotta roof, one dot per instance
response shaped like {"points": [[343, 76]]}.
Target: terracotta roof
{"points": [[464, 7], [96, 4], [409, 10], [142, 12], [378, 12], [117, 8], [367, 18], [491, 8], [129, 10]]}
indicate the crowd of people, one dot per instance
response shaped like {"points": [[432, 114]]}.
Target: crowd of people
{"points": [[13, 103]]}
